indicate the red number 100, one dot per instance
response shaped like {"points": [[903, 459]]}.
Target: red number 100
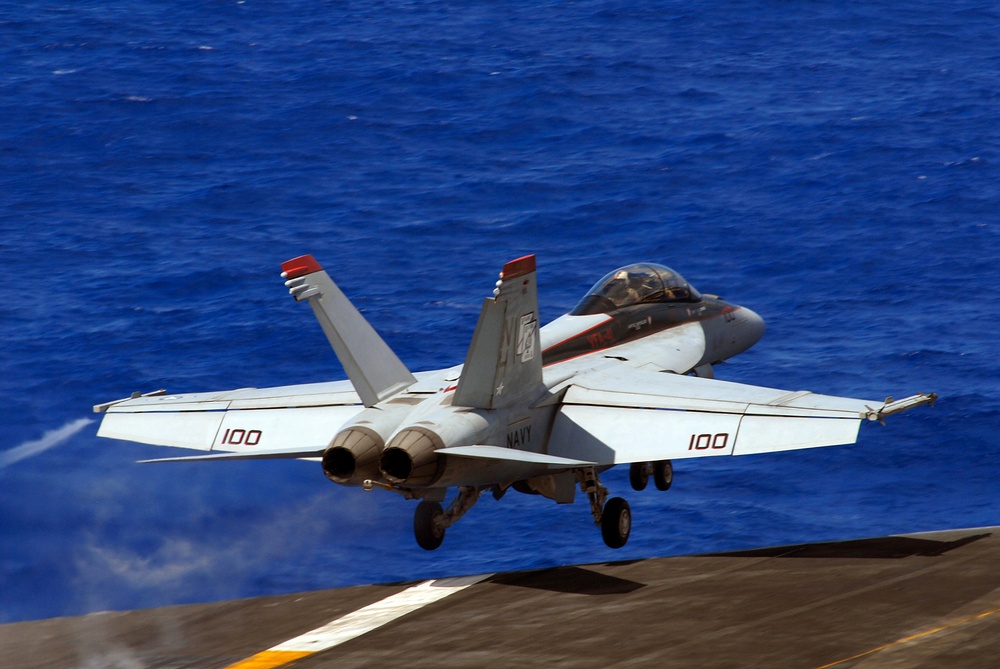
{"points": [[237, 437], [703, 442]]}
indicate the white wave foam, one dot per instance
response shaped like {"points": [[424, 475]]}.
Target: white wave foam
{"points": [[49, 439]]}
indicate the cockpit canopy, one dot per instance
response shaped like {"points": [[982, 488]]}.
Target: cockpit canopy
{"points": [[641, 283]]}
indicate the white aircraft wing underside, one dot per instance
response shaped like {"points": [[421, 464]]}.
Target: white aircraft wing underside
{"points": [[245, 420], [238, 431], [627, 415]]}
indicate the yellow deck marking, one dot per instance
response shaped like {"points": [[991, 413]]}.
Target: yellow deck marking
{"points": [[911, 638], [269, 658], [358, 622]]}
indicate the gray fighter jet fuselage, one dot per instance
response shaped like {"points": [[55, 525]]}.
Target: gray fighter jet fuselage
{"points": [[627, 305], [623, 378]]}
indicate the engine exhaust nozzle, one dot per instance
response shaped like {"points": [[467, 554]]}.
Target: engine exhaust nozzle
{"points": [[410, 457], [353, 455]]}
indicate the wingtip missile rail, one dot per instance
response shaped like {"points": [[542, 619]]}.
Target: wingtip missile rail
{"points": [[892, 406]]}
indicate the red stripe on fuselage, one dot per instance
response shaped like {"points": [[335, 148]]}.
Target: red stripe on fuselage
{"points": [[726, 309], [579, 334]]}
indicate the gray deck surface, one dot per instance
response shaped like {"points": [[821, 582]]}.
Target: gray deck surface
{"points": [[926, 600]]}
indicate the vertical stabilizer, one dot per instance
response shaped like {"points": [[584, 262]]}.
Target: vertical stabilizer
{"points": [[370, 364], [504, 362]]}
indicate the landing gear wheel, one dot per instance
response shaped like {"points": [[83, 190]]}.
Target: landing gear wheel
{"points": [[429, 535], [616, 522], [663, 474], [638, 475]]}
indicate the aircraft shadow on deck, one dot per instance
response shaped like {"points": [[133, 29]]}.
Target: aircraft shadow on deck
{"points": [[571, 580], [884, 548]]}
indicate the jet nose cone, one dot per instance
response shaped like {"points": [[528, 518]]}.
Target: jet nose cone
{"points": [[752, 326]]}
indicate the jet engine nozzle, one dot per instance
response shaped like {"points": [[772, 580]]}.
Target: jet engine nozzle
{"points": [[353, 455], [410, 457]]}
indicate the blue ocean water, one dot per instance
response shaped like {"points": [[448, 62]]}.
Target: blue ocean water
{"points": [[833, 166]]}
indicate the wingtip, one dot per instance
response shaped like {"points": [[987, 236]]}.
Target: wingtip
{"points": [[296, 267]]}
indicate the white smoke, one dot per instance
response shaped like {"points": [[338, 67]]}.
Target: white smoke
{"points": [[206, 558], [49, 440]]}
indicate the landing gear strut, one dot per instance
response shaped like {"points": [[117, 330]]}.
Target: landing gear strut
{"points": [[430, 521], [613, 516]]}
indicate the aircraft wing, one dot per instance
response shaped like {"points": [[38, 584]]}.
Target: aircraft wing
{"points": [[265, 420], [623, 415]]}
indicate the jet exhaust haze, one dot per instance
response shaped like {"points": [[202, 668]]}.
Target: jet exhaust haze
{"points": [[50, 439]]}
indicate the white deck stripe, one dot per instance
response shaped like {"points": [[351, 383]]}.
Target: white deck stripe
{"points": [[375, 615]]}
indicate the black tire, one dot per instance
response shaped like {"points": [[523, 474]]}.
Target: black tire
{"points": [[663, 475], [428, 536], [616, 522], [638, 475]]}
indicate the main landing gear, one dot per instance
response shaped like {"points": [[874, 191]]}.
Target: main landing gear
{"points": [[430, 521], [613, 516]]}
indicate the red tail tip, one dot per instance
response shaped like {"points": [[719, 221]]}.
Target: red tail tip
{"points": [[519, 267], [296, 267]]}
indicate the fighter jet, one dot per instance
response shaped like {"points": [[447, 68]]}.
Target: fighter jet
{"points": [[625, 378]]}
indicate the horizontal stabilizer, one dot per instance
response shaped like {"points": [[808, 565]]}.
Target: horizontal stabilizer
{"points": [[513, 455], [315, 452]]}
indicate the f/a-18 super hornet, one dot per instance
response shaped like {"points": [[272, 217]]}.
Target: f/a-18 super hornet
{"points": [[625, 378]]}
